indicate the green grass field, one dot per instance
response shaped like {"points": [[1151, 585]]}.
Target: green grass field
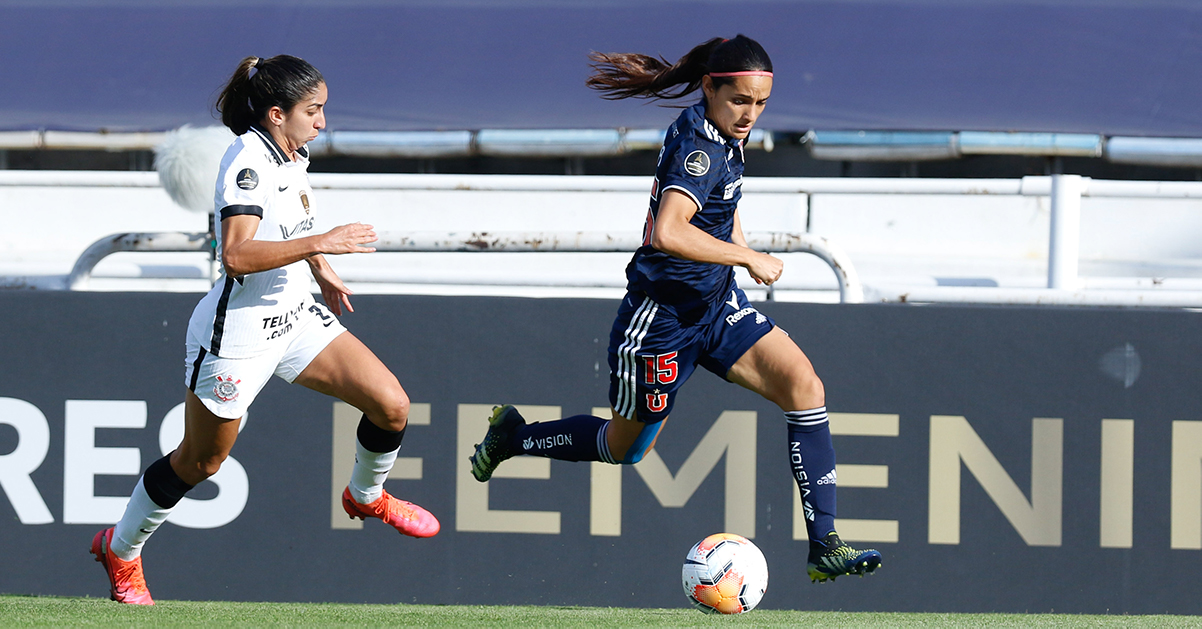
{"points": [[26, 611]]}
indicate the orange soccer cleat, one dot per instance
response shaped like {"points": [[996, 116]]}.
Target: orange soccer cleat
{"points": [[408, 518], [127, 584]]}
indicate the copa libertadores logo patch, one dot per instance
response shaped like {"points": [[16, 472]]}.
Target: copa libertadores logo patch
{"points": [[248, 179], [697, 163]]}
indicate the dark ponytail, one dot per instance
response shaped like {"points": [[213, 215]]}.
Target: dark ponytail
{"points": [[632, 75], [281, 81]]}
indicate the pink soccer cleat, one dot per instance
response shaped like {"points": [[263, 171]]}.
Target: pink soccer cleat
{"points": [[408, 518], [127, 584]]}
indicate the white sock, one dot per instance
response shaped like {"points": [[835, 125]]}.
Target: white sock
{"points": [[141, 519], [370, 472]]}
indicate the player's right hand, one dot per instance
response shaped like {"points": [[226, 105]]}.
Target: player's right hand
{"points": [[349, 239], [765, 269]]}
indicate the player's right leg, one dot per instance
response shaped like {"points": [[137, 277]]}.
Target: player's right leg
{"points": [[206, 444], [777, 369], [219, 390]]}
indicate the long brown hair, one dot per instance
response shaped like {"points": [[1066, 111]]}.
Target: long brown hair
{"points": [[619, 75], [281, 81]]}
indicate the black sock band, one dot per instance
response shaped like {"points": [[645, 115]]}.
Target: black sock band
{"points": [[376, 439], [163, 485]]}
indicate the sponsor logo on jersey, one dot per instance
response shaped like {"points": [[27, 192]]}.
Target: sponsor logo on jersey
{"points": [[282, 324], [738, 316], [305, 200], [248, 179], [728, 192], [697, 163], [299, 228], [734, 301], [226, 388]]}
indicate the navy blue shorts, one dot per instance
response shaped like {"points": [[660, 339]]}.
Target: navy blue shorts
{"points": [[651, 354]]}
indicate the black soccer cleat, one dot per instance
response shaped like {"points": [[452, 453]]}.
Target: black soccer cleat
{"points": [[830, 558], [494, 449]]}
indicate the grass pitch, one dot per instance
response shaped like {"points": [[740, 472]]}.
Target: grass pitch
{"points": [[32, 611]]}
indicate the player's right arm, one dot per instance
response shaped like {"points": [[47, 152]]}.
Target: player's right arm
{"points": [[241, 254], [676, 236]]}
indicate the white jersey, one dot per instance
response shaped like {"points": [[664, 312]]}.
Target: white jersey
{"points": [[243, 317]]}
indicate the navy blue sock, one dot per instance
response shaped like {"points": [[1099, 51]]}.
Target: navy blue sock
{"points": [[576, 438], [812, 456]]}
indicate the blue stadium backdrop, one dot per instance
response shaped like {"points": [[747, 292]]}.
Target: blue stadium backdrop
{"points": [[1002, 459]]}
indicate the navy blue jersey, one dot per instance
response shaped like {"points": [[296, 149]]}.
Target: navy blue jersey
{"points": [[698, 161]]}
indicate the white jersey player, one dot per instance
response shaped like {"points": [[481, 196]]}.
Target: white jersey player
{"points": [[260, 319]]}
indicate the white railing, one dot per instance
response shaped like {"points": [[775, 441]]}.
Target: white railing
{"points": [[850, 289], [1064, 286]]}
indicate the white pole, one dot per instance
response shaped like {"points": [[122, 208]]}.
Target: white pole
{"points": [[1064, 245]]}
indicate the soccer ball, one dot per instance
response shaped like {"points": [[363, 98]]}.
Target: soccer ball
{"points": [[725, 574]]}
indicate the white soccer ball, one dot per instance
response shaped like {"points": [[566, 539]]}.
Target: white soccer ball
{"points": [[725, 574]]}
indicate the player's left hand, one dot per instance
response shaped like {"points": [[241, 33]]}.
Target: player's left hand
{"points": [[333, 291]]}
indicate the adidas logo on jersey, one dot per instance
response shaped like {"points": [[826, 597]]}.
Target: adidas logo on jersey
{"points": [[828, 479]]}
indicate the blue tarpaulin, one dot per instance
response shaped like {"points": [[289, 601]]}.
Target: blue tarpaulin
{"points": [[1112, 67]]}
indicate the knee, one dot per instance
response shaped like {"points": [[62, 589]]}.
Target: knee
{"points": [[194, 471], [638, 445], [394, 410], [210, 466], [623, 450], [633, 455], [806, 392], [813, 389]]}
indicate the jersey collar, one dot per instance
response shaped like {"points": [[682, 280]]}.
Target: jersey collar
{"points": [[276, 152]]}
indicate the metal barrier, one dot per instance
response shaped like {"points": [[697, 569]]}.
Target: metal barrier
{"points": [[850, 289], [1065, 193]]}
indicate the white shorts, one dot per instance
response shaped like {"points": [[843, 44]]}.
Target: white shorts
{"points": [[227, 386]]}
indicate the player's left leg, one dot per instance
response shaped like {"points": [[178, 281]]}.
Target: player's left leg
{"points": [[650, 357], [346, 369], [617, 440], [777, 369]]}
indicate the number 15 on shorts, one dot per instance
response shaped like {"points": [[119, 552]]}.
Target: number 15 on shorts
{"points": [[660, 369]]}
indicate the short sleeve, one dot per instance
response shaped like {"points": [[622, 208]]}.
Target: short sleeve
{"points": [[693, 168], [242, 190]]}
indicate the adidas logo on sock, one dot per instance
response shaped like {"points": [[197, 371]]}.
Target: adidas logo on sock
{"points": [[828, 479]]}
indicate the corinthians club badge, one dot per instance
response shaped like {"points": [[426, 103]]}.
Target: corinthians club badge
{"points": [[226, 389], [304, 200]]}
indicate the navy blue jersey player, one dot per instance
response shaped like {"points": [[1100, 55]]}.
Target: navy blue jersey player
{"points": [[683, 309]]}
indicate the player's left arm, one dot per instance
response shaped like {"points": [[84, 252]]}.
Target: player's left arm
{"points": [[333, 291]]}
